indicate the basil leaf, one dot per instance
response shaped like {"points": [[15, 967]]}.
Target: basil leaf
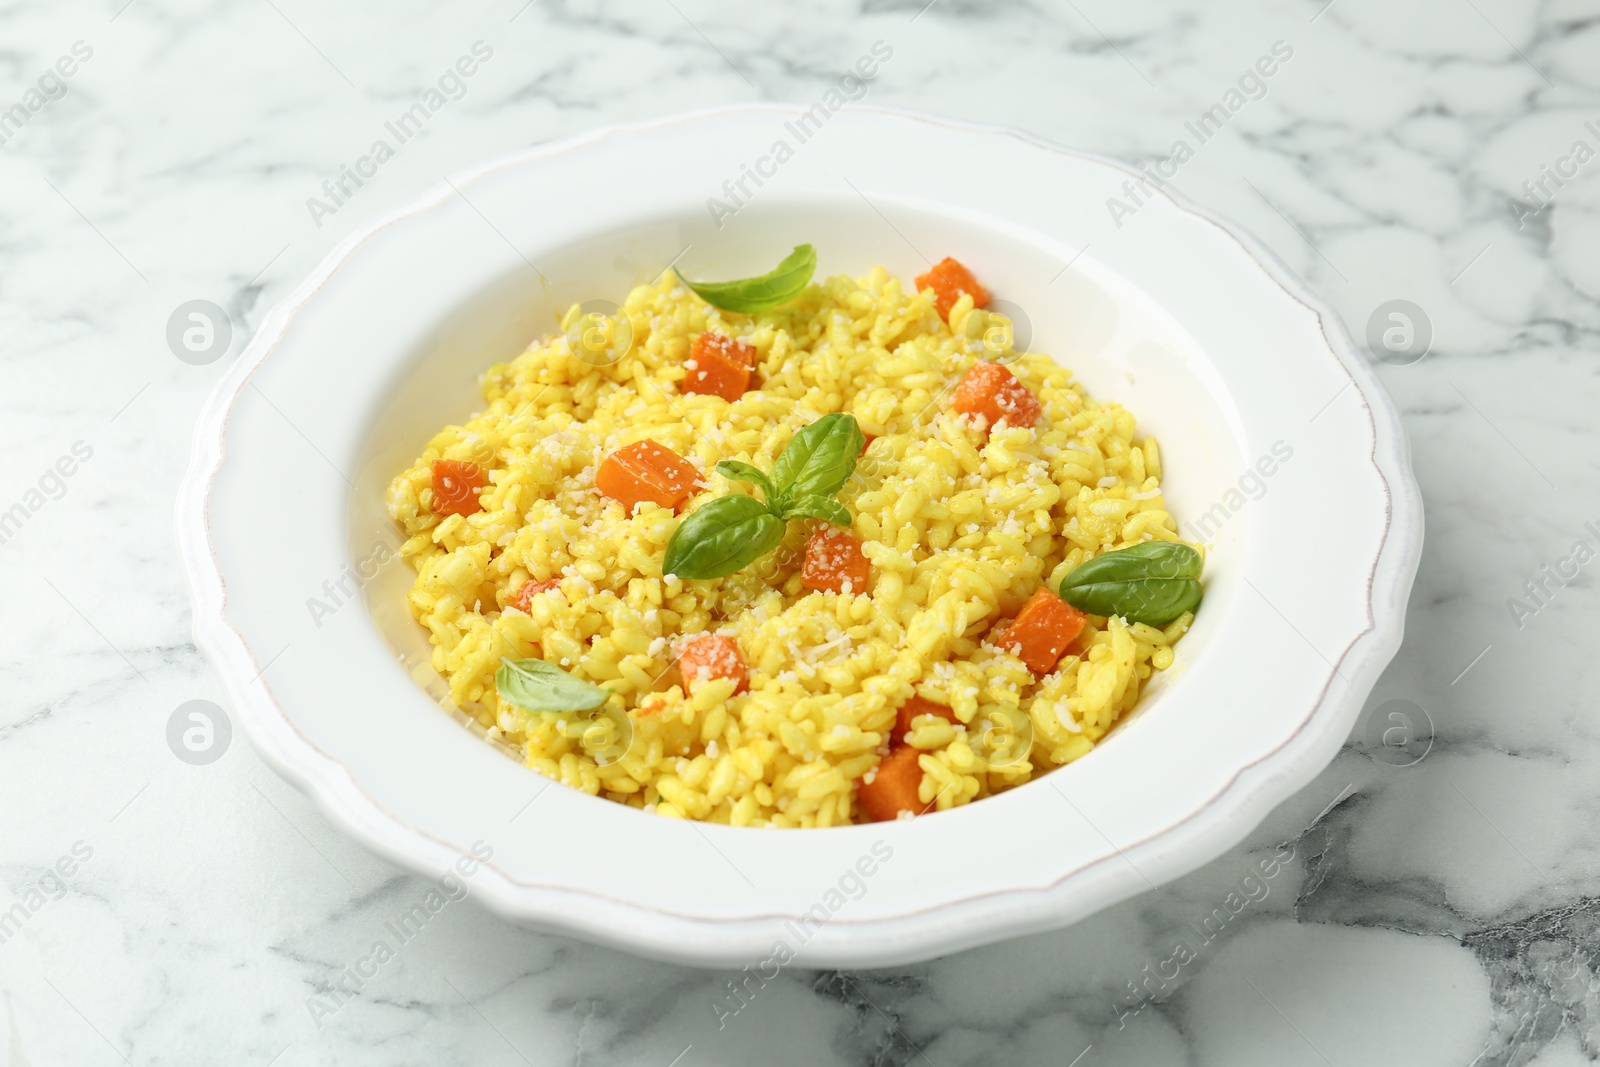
{"points": [[749, 296], [818, 507], [1152, 582], [721, 536], [743, 472], [820, 458], [535, 685]]}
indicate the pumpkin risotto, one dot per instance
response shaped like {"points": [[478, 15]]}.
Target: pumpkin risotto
{"points": [[783, 553]]}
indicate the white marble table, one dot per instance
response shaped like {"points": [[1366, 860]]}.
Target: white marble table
{"points": [[1436, 904]]}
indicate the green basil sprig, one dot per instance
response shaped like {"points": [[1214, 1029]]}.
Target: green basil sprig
{"points": [[731, 532], [819, 459], [535, 685], [1152, 582], [722, 536], [748, 296]]}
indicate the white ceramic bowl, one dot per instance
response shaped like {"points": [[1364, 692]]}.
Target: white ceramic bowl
{"points": [[1190, 323]]}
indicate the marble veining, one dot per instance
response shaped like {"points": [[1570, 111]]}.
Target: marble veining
{"points": [[1434, 895]]}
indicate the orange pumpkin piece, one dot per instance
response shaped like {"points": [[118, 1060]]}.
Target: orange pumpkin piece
{"points": [[1042, 630], [719, 366], [866, 444], [645, 470], [712, 656], [894, 786], [910, 710], [992, 391], [834, 562], [948, 279], [528, 590], [456, 484]]}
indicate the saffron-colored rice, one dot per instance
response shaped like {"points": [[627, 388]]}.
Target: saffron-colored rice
{"points": [[961, 523]]}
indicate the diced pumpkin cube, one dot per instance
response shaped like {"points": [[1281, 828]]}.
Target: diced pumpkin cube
{"points": [[1041, 631], [992, 391], [894, 786], [865, 444], [456, 484], [649, 471], [948, 279], [834, 562], [910, 710], [528, 590], [712, 656], [719, 366]]}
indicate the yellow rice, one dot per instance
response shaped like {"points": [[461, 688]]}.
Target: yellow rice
{"points": [[960, 528]]}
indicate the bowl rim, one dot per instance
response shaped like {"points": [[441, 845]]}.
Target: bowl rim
{"points": [[907, 936]]}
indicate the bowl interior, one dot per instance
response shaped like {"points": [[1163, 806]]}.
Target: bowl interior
{"points": [[1115, 339]]}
